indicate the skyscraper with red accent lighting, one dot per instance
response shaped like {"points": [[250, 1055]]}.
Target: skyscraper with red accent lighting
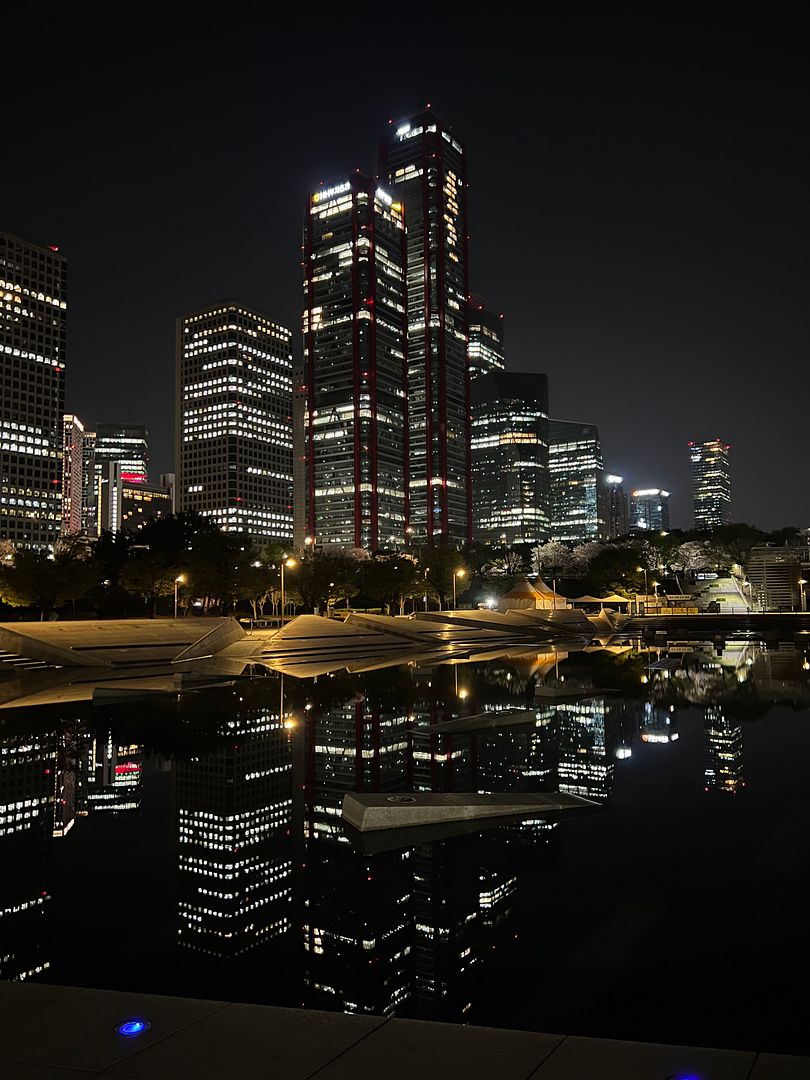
{"points": [[355, 426], [424, 165]]}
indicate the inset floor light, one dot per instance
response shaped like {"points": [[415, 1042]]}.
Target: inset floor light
{"points": [[130, 1028]]}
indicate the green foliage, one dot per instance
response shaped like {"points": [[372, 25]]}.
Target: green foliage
{"points": [[391, 579], [36, 579], [323, 577], [148, 575]]}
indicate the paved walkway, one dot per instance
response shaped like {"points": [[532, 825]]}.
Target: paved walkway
{"points": [[66, 1033]]}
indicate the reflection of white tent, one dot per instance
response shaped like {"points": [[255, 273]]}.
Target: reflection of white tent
{"points": [[525, 595]]}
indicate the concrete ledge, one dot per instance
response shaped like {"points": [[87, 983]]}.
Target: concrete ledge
{"points": [[65, 1033]]}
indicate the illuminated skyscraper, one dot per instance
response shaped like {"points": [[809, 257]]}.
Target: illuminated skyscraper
{"points": [[424, 164], [649, 510], [485, 348], [355, 331], [33, 314], [72, 476], [711, 483], [233, 420], [578, 496], [126, 445], [510, 457], [616, 500]]}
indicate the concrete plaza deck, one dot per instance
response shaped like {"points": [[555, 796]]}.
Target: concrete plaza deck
{"points": [[66, 1033]]}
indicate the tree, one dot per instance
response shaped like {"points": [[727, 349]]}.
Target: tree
{"points": [[148, 575], [615, 569], [324, 577], [439, 565], [730, 545], [219, 566], [552, 559], [391, 579], [37, 579]]}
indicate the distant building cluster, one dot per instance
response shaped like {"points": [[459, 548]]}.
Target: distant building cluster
{"points": [[399, 423]]}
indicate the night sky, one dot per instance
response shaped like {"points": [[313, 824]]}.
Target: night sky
{"points": [[638, 201]]}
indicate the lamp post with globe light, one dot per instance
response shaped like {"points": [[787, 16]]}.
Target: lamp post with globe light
{"points": [[457, 574], [179, 580], [290, 564]]}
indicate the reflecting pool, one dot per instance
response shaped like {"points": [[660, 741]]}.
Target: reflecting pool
{"points": [[192, 843]]}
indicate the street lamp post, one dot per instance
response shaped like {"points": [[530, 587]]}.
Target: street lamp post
{"points": [[457, 574], [802, 583], [179, 580], [643, 570], [290, 564], [427, 571]]}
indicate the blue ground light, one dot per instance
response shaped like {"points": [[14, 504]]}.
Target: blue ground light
{"points": [[130, 1028]]}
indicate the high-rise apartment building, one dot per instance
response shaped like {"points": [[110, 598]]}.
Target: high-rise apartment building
{"points": [[711, 483], [355, 340], [126, 445], [616, 503], [33, 316], [510, 457], [233, 420], [72, 475], [485, 350], [649, 510], [578, 498], [424, 165]]}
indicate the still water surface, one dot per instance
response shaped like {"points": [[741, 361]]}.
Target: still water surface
{"points": [[194, 846]]}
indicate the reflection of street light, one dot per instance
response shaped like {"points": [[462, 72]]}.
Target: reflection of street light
{"points": [[457, 574], [427, 571], [179, 580], [655, 587], [802, 583], [290, 564]]}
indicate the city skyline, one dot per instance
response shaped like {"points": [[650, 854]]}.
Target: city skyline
{"points": [[656, 266]]}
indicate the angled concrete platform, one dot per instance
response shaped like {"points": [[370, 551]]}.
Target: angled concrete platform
{"points": [[407, 810]]}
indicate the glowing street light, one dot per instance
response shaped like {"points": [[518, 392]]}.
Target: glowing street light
{"points": [[802, 583], [179, 580], [290, 565], [457, 574]]}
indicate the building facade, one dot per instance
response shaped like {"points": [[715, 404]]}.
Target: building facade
{"points": [[424, 166], [649, 510], [233, 420], [618, 522], [355, 342], [778, 577], [72, 475], [126, 445], [510, 465], [126, 505], [576, 470], [711, 483], [33, 317], [485, 350]]}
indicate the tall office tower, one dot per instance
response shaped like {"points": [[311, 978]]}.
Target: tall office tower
{"points": [[126, 445], [485, 349], [33, 316], [509, 453], [649, 510], [233, 420], [126, 506], [711, 483], [72, 475], [578, 494], [425, 166], [355, 339], [91, 480], [616, 503]]}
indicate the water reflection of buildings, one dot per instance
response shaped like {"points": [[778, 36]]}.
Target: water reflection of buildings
{"points": [[358, 951], [114, 782], [27, 779], [234, 813], [584, 765], [657, 724], [724, 752]]}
